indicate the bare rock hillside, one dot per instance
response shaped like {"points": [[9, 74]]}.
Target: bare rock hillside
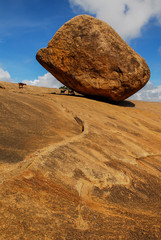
{"points": [[78, 168]]}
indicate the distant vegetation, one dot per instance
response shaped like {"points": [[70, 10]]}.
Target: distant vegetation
{"points": [[64, 87]]}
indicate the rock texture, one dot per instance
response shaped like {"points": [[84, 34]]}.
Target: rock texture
{"points": [[57, 182], [87, 55]]}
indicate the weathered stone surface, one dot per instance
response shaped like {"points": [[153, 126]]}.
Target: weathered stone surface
{"points": [[87, 55], [57, 182]]}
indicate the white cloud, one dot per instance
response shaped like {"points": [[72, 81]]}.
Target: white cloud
{"points": [[5, 76], [127, 17], [148, 93], [47, 80]]}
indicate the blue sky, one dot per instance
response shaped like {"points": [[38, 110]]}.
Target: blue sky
{"points": [[26, 26]]}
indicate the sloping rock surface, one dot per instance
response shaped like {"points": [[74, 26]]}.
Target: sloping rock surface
{"points": [[87, 55], [57, 182]]}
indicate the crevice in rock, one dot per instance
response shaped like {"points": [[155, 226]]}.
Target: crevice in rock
{"points": [[118, 70], [2, 87], [149, 155], [80, 122]]}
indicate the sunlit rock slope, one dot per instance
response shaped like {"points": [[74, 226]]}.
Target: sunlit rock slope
{"points": [[78, 168]]}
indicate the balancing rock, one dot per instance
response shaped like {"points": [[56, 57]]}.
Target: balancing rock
{"points": [[88, 56]]}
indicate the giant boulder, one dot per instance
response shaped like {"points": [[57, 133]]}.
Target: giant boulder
{"points": [[88, 56]]}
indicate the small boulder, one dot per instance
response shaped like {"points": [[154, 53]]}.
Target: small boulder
{"points": [[88, 56]]}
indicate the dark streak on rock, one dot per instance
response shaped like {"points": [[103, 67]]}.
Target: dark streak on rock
{"points": [[80, 122]]}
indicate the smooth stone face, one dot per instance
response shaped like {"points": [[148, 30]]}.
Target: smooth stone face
{"points": [[88, 56]]}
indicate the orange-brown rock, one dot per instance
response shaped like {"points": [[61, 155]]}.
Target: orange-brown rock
{"points": [[57, 182], [87, 55]]}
